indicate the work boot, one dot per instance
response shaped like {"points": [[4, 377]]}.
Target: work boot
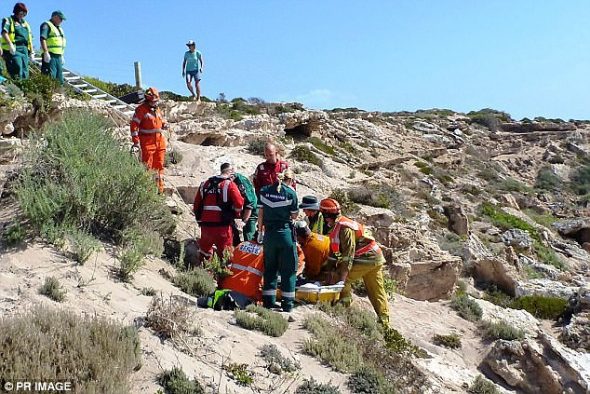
{"points": [[269, 302], [287, 305]]}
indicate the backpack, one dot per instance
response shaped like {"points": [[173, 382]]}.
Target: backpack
{"points": [[227, 213]]}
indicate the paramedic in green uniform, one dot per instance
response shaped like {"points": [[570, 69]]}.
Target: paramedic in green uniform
{"points": [[277, 210], [53, 44], [249, 213], [17, 42]]}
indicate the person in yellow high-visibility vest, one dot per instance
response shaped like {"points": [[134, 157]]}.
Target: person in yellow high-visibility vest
{"points": [[53, 45], [357, 256], [17, 42]]}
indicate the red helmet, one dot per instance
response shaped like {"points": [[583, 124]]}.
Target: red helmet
{"points": [[19, 7], [329, 205], [152, 94]]}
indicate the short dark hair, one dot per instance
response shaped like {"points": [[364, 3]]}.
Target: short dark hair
{"points": [[224, 167]]}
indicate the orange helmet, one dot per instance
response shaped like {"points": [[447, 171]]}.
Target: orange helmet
{"points": [[152, 94], [329, 205]]}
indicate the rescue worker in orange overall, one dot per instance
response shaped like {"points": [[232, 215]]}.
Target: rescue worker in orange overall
{"points": [[217, 203], [146, 133], [316, 249], [267, 172], [357, 256]]}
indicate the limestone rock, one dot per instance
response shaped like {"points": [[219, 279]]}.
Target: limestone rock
{"points": [[509, 200], [545, 288], [517, 318], [570, 227], [544, 367], [576, 334], [517, 238], [458, 222], [433, 279], [9, 149]]}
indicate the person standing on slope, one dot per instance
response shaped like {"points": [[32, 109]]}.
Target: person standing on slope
{"points": [[53, 44], [146, 133], [192, 68], [17, 42], [266, 172]]}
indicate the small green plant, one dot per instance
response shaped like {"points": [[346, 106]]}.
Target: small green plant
{"points": [[261, 319], [423, 167], [148, 291], [466, 307], [321, 145], [452, 341], [175, 381], [580, 179], [256, 146], [197, 282], [547, 179], [511, 185], [500, 330], [239, 373], [112, 88], [497, 297], [369, 381], [168, 318], [348, 206], [38, 88], [14, 234], [218, 267], [276, 362], [83, 245], [540, 306], [311, 386], [482, 386], [303, 153], [53, 289]]}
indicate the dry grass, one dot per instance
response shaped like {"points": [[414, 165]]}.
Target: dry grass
{"points": [[168, 318], [261, 319], [95, 354], [52, 289]]}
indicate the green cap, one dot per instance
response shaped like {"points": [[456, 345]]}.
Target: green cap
{"points": [[60, 14]]}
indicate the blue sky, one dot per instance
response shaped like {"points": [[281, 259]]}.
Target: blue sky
{"points": [[529, 58]]}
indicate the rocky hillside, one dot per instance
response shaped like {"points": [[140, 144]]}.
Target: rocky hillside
{"points": [[484, 220]]}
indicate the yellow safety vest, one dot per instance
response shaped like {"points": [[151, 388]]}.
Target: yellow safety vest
{"points": [[11, 35], [56, 40]]}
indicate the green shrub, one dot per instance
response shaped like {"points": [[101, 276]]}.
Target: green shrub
{"points": [[218, 267], [148, 291], [93, 353], [501, 330], [546, 219], [256, 146], [482, 386], [53, 289], [511, 185], [303, 153], [452, 341], [321, 145], [80, 177], [310, 386], [580, 179], [276, 362], [540, 306], [39, 89], [347, 206], [423, 167], [175, 381], [466, 307], [136, 246], [112, 88], [168, 318], [261, 319], [489, 118], [197, 282], [547, 179], [14, 234], [83, 245], [369, 381], [239, 373]]}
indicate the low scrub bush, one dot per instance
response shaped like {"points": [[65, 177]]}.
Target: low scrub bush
{"points": [[540, 306], [482, 386], [95, 354], [148, 291], [276, 362], [79, 177], [256, 146], [112, 88], [311, 386], [544, 219], [175, 381], [452, 341], [218, 267], [83, 245], [511, 185], [53, 289], [240, 373], [321, 145], [347, 206], [369, 381], [261, 319], [14, 234], [168, 318], [423, 167], [197, 282], [466, 307], [580, 179], [39, 89], [547, 179], [303, 153], [500, 330]]}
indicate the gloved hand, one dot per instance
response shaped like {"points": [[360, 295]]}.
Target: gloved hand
{"points": [[12, 48], [260, 238], [46, 57], [239, 224], [135, 148]]}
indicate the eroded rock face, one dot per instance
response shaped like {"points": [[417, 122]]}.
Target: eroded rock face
{"points": [[539, 367], [517, 238], [9, 149], [571, 227], [545, 288], [458, 222], [576, 334]]}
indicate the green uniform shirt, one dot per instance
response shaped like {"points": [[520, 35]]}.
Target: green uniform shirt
{"points": [[247, 191], [278, 205], [21, 33]]}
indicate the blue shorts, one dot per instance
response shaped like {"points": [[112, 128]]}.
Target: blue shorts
{"points": [[195, 74]]}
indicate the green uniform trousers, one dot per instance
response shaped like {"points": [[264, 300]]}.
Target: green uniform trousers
{"points": [[250, 229], [372, 275], [17, 65], [54, 68], [280, 257]]}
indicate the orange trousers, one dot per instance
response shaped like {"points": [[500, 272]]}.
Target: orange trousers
{"points": [[153, 155]]}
